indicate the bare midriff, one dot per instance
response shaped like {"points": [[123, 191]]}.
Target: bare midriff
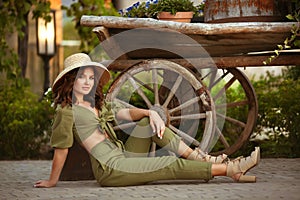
{"points": [[95, 138]]}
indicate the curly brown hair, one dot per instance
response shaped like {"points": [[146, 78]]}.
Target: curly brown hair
{"points": [[63, 90]]}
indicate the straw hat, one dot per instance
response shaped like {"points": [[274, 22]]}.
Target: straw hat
{"points": [[80, 60]]}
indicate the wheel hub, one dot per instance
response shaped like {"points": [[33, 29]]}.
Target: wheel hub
{"points": [[163, 113]]}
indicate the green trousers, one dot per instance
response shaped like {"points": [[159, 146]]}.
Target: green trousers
{"points": [[113, 166]]}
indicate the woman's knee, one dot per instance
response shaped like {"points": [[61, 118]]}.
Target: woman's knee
{"points": [[144, 122]]}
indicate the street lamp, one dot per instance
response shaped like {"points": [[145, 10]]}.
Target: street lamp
{"points": [[46, 43]]}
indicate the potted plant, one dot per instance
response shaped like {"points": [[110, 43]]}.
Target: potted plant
{"points": [[175, 10]]}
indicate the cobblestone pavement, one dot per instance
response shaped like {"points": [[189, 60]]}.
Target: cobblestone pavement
{"points": [[277, 179]]}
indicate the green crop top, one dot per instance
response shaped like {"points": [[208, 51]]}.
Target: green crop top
{"points": [[79, 122]]}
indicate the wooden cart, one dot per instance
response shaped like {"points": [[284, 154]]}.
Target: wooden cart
{"points": [[186, 72]]}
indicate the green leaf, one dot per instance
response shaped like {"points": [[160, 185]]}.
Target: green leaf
{"points": [[297, 43], [290, 17]]}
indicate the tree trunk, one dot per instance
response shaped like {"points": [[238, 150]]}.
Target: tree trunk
{"points": [[23, 46]]}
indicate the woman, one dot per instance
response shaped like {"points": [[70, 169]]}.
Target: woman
{"points": [[82, 114]]}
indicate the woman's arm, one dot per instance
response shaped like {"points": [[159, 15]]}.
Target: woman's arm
{"points": [[133, 114], [59, 158]]}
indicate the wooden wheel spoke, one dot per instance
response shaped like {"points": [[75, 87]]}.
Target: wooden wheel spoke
{"points": [[192, 128], [211, 75], [139, 91], [184, 135], [212, 78], [222, 138], [233, 104], [143, 84], [227, 85], [218, 80], [230, 82], [155, 86], [173, 91], [190, 116], [233, 121], [185, 104]]}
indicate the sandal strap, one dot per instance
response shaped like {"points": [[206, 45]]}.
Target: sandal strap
{"points": [[215, 159], [208, 158]]}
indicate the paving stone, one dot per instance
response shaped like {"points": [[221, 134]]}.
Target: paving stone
{"points": [[277, 179]]}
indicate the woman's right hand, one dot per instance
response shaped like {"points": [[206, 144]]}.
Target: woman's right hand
{"points": [[157, 124], [44, 184]]}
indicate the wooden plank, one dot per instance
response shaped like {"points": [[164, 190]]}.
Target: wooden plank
{"points": [[221, 39], [219, 62], [151, 43], [227, 43], [214, 45], [186, 28], [230, 44]]}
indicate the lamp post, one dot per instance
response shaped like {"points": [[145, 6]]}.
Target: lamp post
{"points": [[46, 44]]}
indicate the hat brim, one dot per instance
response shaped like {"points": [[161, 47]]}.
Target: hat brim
{"points": [[103, 71]]}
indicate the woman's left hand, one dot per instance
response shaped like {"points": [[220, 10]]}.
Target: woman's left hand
{"points": [[156, 123]]}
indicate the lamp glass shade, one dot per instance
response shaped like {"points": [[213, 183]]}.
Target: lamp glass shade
{"points": [[46, 36]]}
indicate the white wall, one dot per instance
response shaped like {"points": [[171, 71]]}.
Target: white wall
{"points": [[254, 73]]}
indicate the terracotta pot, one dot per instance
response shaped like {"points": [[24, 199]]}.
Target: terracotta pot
{"points": [[178, 17], [245, 10]]}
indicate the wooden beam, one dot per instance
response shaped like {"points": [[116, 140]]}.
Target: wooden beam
{"points": [[220, 62], [186, 28]]}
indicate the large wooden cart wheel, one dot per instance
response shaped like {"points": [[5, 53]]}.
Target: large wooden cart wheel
{"points": [[237, 115], [174, 92]]}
